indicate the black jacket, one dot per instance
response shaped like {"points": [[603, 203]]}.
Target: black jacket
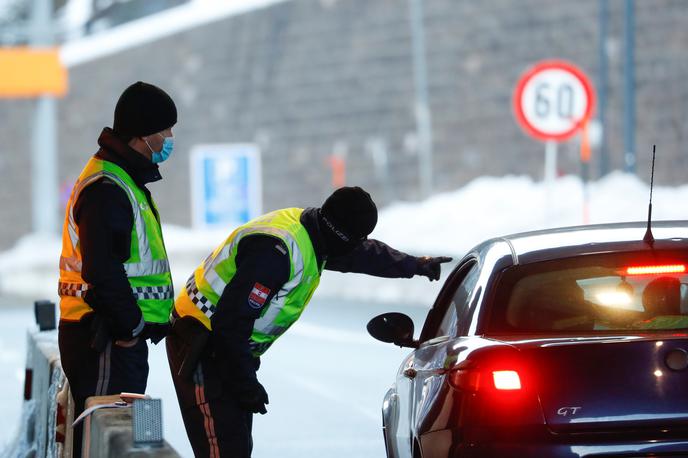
{"points": [[262, 261], [104, 217]]}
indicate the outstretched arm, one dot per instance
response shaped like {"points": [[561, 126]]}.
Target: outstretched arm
{"points": [[374, 257]]}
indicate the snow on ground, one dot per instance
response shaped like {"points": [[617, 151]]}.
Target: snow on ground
{"points": [[446, 224]]}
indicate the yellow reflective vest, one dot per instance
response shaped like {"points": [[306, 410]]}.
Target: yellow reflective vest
{"points": [[206, 284], [147, 268]]}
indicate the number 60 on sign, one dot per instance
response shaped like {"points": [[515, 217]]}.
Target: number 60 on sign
{"points": [[552, 100]]}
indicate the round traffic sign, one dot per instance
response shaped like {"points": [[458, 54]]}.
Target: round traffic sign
{"points": [[553, 99]]}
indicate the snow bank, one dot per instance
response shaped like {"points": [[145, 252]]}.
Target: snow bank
{"points": [[446, 224]]}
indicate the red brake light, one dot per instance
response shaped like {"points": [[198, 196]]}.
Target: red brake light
{"points": [[473, 379], [506, 380], [662, 269], [495, 387]]}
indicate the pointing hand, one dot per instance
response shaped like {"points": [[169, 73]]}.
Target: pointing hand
{"points": [[431, 267]]}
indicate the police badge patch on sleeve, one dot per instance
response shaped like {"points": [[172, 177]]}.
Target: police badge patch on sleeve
{"points": [[258, 296]]}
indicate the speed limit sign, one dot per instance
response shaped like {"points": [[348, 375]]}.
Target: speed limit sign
{"points": [[552, 100]]}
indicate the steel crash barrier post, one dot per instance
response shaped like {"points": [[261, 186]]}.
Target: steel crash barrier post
{"points": [[45, 430]]}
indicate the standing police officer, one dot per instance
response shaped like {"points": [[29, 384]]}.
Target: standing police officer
{"points": [[248, 292], [115, 285]]}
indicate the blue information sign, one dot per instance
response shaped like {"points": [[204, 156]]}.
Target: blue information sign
{"points": [[225, 185]]}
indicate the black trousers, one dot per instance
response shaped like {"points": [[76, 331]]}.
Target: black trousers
{"points": [[91, 373], [214, 422]]}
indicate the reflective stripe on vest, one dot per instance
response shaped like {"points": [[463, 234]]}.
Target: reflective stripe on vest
{"points": [[72, 289], [147, 268], [199, 300], [147, 265], [218, 285], [139, 292]]}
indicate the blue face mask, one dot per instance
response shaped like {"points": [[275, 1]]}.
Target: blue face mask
{"points": [[165, 151]]}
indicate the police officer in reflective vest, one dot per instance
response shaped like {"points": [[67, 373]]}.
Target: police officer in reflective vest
{"points": [[248, 292], [115, 286]]}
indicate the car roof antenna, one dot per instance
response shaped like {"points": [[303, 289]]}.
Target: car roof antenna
{"points": [[649, 238]]}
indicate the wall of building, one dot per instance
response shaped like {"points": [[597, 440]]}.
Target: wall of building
{"points": [[306, 79]]}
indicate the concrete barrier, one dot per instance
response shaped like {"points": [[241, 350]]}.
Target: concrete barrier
{"points": [[108, 433], [48, 413]]}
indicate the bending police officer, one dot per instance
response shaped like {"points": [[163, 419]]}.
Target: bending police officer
{"points": [[248, 292]]}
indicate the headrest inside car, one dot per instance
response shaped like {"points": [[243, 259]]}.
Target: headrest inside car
{"points": [[662, 296]]}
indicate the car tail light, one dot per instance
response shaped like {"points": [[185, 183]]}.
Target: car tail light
{"points": [[656, 269], [495, 389], [469, 377], [465, 378], [506, 380]]}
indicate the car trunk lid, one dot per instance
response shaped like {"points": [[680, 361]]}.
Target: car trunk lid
{"points": [[610, 382]]}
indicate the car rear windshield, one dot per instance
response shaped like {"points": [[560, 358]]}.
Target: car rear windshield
{"points": [[600, 293]]}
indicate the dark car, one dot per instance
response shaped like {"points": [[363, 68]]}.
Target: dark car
{"points": [[569, 342]]}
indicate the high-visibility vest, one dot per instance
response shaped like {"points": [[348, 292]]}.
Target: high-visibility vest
{"points": [[147, 267], [206, 284]]}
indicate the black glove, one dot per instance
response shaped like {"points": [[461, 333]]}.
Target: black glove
{"points": [[155, 332], [252, 396], [431, 267]]}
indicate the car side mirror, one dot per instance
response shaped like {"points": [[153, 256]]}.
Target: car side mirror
{"points": [[393, 327]]}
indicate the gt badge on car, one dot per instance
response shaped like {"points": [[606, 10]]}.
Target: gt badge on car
{"points": [[568, 411]]}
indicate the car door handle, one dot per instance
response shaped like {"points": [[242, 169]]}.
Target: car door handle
{"points": [[410, 373]]}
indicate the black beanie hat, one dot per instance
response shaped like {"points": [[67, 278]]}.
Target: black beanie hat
{"points": [[144, 109], [350, 214]]}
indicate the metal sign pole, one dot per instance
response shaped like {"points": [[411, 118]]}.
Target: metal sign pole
{"points": [[550, 175], [550, 162], [44, 182], [629, 87], [422, 107]]}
